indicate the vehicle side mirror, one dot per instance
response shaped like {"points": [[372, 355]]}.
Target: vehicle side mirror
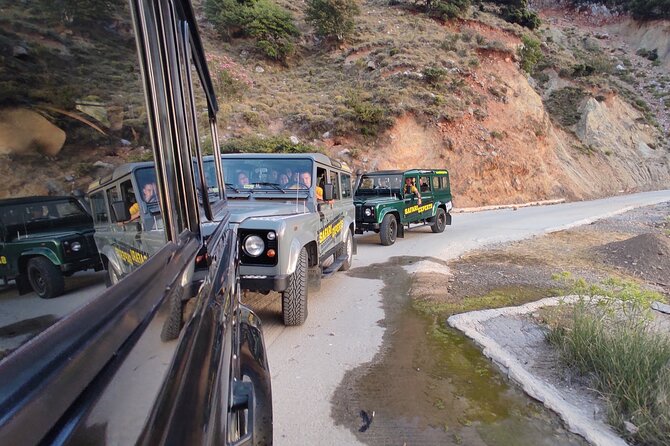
{"points": [[121, 213], [328, 192]]}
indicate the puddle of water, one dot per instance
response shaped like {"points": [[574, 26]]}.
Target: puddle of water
{"points": [[15, 334], [28, 326], [431, 385]]}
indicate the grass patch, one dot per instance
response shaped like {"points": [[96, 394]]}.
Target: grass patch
{"points": [[497, 298], [608, 336]]}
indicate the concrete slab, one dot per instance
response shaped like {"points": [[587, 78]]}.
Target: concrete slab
{"points": [[513, 343]]}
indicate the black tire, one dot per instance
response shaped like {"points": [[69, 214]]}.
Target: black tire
{"points": [[389, 230], [45, 279], [294, 298], [347, 248], [439, 221], [113, 276]]}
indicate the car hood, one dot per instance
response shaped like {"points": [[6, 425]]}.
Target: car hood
{"points": [[374, 201], [243, 210], [53, 234]]}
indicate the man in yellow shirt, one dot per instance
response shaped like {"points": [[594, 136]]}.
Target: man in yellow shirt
{"points": [[410, 188]]}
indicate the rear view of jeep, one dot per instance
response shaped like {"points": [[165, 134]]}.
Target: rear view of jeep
{"points": [[43, 240]]}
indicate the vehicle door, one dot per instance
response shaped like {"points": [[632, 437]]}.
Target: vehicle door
{"points": [[326, 238], [151, 235], [427, 198], [4, 262], [410, 211], [126, 239]]}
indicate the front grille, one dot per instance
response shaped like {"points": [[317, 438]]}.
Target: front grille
{"points": [[359, 213]]}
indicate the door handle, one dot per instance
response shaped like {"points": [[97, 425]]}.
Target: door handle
{"points": [[243, 400]]}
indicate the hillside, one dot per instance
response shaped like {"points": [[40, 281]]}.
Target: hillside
{"points": [[406, 90], [506, 136]]}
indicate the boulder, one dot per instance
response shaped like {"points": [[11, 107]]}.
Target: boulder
{"points": [[25, 132]]}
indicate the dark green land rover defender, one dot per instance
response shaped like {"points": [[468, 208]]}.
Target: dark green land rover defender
{"points": [[389, 201], [43, 239]]}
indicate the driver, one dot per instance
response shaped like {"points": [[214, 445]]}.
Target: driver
{"points": [[410, 188]]}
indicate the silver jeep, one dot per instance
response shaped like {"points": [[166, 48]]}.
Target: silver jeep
{"points": [[295, 218]]}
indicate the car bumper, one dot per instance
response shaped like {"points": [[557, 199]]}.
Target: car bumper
{"points": [[264, 283], [81, 265], [366, 226]]}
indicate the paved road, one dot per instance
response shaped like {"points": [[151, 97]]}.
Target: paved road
{"points": [[342, 329], [27, 315]]}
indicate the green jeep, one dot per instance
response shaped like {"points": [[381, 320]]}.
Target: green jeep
{"points": [[389, 201], [43, 239]]}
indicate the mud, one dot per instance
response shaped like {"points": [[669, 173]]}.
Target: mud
{"points": [[430, 385]]}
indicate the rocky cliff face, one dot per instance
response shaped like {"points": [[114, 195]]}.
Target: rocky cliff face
{"points": [[515, 150]]}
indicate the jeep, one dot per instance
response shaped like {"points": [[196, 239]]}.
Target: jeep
{"points": [[388, 202], [42, 240], [168, 355], [295, 217]]}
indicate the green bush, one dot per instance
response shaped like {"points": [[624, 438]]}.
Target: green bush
{"points": [[271, 26], [443, 9], [563, 105], [276, 144], [332, 18], [369, 115], [434, 75], [522, 16], [530, 53], [648, 54]]}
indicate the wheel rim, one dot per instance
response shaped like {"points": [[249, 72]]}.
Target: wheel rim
{"points": [[392, 230], [38, 282], [113, 277]]}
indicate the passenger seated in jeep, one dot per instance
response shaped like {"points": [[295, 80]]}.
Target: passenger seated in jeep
{"points": [[149, 194], [302, 180], [242, 179], [410, 188]]}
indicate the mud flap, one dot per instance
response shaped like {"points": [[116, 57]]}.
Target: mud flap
{"points": [[401, 231], [314, 278], [448, 218], [23, 285]]}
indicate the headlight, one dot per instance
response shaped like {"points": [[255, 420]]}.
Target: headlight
{"points": [[368, 212], [75, 246], [254, 246], [272, 235]]}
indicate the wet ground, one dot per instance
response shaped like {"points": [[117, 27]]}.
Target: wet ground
{"points": [[430, 385]]}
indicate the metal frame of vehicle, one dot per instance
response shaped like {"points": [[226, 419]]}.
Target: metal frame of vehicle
{"points": [[134, 366], [292, 223], [39, 253], [388, 209]]}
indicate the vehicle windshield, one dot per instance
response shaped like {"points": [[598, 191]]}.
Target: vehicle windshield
{"points": [[42, 215], [266, 174], [379, 184]]}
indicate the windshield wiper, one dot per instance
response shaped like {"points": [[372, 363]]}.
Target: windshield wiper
{"points": [[230, 185], [274, 185]]}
